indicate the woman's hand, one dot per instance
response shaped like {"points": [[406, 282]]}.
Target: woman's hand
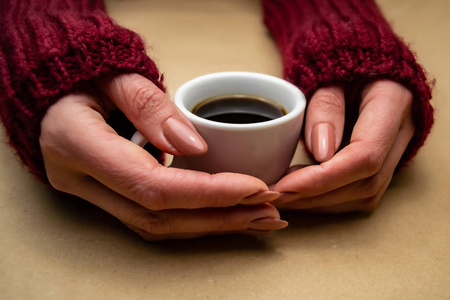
{"points": [[356, 176], [85, 157]]}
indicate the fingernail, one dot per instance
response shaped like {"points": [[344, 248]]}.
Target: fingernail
{"points": [[268, 224], [260, 197], [183, 138], [322, 141]]}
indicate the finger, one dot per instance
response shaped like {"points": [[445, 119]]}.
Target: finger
{"points": [[378, 184], [178, 223], [154, 114], [184, 236], [324, 122], [130, 171], [385, 106], [351, 164], [364, 194], [83, 143]]}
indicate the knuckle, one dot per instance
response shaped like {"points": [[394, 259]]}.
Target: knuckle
{"points": [[216, 198], [328, 102], [152, 223], [198, 197], [150, 197], [224, 224], [372, 186], [156, 200], [147, 100], [69, 182], [372, 162], [146, 190]]}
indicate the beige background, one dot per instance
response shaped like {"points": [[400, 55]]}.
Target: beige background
{"points": [[53, 247]]}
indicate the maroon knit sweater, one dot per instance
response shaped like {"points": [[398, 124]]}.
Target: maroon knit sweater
{"points": [[49, 48]]}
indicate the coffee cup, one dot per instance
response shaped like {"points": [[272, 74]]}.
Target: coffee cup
{"points": [[251, 123]]}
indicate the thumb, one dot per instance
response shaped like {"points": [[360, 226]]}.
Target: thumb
{"points": [[154, 115]]}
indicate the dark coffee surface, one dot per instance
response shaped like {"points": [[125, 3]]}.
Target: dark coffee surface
{"points": [[239, 109]]}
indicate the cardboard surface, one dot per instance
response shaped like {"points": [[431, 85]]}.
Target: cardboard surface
{"points": [[55, 247]]}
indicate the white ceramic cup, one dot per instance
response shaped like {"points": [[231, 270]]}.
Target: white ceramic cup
{"points": [[264, 149]]}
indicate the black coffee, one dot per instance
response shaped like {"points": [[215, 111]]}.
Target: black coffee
{"points": [[239, 109]]}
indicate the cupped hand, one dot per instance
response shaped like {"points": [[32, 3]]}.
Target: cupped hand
{"points": [[85, 157], [355, 177]]}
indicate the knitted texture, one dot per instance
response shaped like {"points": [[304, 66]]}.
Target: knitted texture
{"points": [[334, 41], [50, 48]]}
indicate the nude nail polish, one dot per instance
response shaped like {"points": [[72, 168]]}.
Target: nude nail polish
{"points": [[268, 224], [322, 141], [183, 138]]}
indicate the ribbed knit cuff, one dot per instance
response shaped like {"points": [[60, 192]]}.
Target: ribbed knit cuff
{"points": [[332, 41], [49, 51]]}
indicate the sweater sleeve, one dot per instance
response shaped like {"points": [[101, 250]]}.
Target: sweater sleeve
{"points": [[328, 41], [49, 48]]}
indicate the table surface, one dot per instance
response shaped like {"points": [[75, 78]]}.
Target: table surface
{"points": [[54, 247]]}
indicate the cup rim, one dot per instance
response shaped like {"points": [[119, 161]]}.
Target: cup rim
{"points": [[294, 113]]}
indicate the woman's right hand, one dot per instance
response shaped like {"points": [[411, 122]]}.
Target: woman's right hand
{"points": [[85, 157]]}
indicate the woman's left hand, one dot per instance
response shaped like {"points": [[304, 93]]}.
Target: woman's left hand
{"points": [[356, 177]]}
